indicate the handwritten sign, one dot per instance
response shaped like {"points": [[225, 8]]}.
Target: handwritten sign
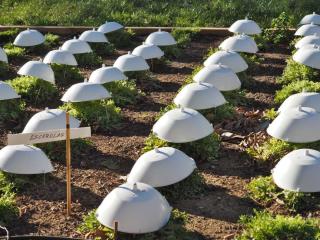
{"points": [[48, 136]]}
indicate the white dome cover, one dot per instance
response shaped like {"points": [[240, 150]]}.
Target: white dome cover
{"points": [[139, 208], [239, 43], [299, 125], [199, 96], [28, 38], [159, 167], [49, 119], [7, 92], [108, 27], [245, 26], [148, 51], [93, 36], [220, 76], [298, 171], [315, 18], [3, 56], [231, 59], [85, 91], [76, 46], [161, 38], [60, 57], [37, 69], [309, 56], [130, 62], [24, 159], [304, 99], [308, 29], [182, 125], [308, 40], [106, 74]]}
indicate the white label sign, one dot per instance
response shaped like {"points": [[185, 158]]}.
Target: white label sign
{"points": [[48, 136]]}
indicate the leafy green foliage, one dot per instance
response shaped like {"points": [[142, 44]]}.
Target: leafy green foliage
{"points": [[103, 49], [11, 111], [190, 187], [270, 114], [174, 230], [223, 112], [124, 92], [264, 226], [51, 40], [66, 75], [121, 38], [88, 60], [100, 114], [57, 150], [34, 90], [296, 87], [205, 149], [235, 97], [8, 209], [14, 51], [8, 35], [295, 72]]}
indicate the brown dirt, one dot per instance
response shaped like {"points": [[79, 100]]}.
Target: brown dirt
{"points": [[213, 214]]}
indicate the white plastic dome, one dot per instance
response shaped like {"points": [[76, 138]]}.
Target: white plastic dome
{"points": [[309, 56], [315, 18], [3, 56], [308, 40], [161, 38], [158, 167], [239, 43], [231, 59], [7, 92], [299, 125], [245, 26], [298, 171], [49, 119], [60, 57], [148, 51], [29, 38], [308, 29], [130, 62], [24, 159], [76, 46], [37, 69], [93, 36], [304, 99], [108, 27], [199, 96], [138, 207], [182, 125], [106, 74], [85, 91], [220, 76]]}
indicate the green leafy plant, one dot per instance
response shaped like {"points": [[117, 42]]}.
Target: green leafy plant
{"points": [[100, 114], [66, 75], [295, 72], [124, 92], [51, 40], [270, 114], [174, 230], [225, 111], [264, 226], [34, 90], [11, 111], [296, 87], [14, 51], [88, 59], [103, 49], [8, 35], [121, 38]]}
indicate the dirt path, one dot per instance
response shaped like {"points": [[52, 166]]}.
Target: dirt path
{"points": [[213, 214]]}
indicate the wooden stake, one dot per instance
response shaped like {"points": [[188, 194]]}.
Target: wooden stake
{"points": [[68, 164], [115, 234]]}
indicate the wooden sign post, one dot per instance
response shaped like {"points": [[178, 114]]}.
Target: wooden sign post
{"points": [[52, 136], [115, 233]]}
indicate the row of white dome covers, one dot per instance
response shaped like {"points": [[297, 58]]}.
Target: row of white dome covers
{"points": [[298, 119]]}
